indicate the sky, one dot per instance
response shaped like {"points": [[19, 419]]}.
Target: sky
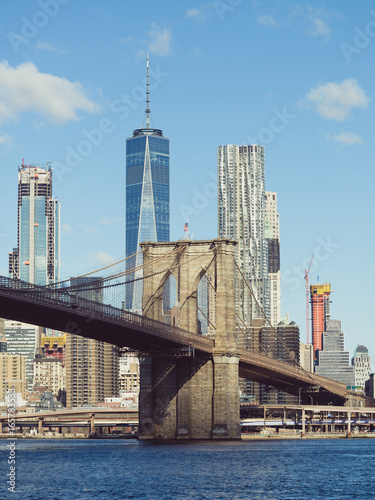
{"points": [[296, 77]]}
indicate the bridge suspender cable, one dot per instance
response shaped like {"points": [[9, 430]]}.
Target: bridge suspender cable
{"points": [[270, 324]]}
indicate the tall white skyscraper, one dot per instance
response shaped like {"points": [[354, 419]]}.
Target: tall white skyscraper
{"points": [[241, 199], [273, 236]]}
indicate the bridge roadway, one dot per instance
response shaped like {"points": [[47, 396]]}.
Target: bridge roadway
{"points": [[60, 309]]}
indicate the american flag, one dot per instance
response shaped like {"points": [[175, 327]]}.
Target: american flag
{"points": [[186, 226]]}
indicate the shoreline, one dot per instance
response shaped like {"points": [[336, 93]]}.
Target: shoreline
{"points": [[244, 437]]}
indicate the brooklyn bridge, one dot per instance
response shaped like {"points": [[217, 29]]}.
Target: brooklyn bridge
{"points": [[189, 381]]}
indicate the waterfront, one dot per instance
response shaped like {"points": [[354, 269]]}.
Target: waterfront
{"points": [[125, 469]]}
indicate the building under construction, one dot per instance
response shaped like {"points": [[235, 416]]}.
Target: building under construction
{"points": [[320, 313]]}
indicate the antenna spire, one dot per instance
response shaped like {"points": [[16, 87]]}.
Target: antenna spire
{"points": [[147, 98]]}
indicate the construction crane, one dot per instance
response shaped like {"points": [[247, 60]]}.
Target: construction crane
{"points": [[307, 302]]}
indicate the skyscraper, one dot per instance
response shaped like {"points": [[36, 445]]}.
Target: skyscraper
{"points": [[241, 199], [320, 313], [272, 230], [333, 361], [147, 197], [37, 256], [362, 366]]}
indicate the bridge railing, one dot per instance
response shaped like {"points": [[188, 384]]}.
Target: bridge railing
{"points": [[60, 297]]}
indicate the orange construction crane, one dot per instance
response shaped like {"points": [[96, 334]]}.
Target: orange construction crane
{"points": [[307, 302]]}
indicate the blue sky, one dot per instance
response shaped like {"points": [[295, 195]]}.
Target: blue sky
{"points": [[296, 77]]}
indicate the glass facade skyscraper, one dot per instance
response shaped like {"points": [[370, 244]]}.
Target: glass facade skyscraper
{"points": [[37, 256], [147, 198], [333, 361]]}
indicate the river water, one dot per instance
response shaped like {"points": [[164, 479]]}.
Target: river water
{"points": [[122, 469]]}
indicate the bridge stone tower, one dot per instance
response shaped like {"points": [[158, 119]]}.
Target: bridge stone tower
{"points": [[191, 397]]}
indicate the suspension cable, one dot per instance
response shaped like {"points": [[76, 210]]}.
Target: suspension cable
{"points": [[270, 324]]}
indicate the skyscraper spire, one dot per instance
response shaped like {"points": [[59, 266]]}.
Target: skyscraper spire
{"points": [[147, 98]]}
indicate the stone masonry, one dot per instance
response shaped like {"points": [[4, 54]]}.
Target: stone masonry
{"points": [[191, 397]]}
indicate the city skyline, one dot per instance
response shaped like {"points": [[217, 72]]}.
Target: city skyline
{"points": [[316, 128]]}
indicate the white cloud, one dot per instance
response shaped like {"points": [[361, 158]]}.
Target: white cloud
{"points": [[6, 140], [160, 41], [104, 259], [125, 40], [49, 47], [195, 14], [24, 88], [67, 229], [90, 230], [266, 20], [318, 26], [195, 52], [104, 220], [348, 138], [335, 101]]}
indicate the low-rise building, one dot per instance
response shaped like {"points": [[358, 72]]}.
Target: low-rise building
{"points": [[13, 370], [49, 372]]}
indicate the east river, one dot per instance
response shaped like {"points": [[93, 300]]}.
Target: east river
{"points": [[121, 469]]}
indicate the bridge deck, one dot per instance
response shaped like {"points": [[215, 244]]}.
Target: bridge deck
{"points": [[65, 311]]}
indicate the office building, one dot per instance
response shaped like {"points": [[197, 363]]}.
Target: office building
{"points": [[306, 357], [147, 198], [13, 369], [23, 339], [272, 231], [53, 345], [281, 342], [91, 366], [361, 362], [241, 207], [37, 255], [332, 359], [50, 373], [129, 373], [320, 313], [3, 340], [370, 386]]}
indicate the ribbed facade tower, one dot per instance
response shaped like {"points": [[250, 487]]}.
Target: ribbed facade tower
{"points": [[241, 201], [147, 197]]}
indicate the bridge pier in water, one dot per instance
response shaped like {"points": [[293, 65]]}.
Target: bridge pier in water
{"points": [[185, 396]]}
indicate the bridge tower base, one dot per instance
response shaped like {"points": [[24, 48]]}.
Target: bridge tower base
{"points": [[189, 398]]}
